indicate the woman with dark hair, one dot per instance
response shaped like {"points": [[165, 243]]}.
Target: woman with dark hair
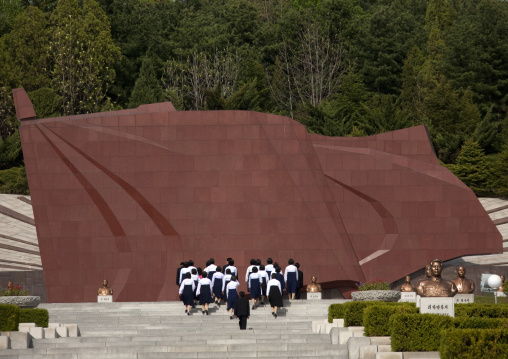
{"points": [[231, 266], [280, 277], [211, 268], [255, 288], [274, 294], [232, 290], [195, 278], [227, 279], [291, 279], [217, 282], [204, 293], [248, 272], [269, 267], [187, 292], [263, 280]]}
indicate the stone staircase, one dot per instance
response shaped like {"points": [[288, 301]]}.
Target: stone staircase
{"points": [[163, 330]]}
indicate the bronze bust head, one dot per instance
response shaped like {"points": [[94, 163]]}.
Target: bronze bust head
{"points": [[436, 286], [464, 285], [105, 290], [407, 287], [314, 287]]}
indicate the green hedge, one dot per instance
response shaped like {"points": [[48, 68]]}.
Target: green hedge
{"points": [[376, 317], [474, 343], [481, 310], [32, 315], [336, 311], [422, 332], [9, 317], [417, 332]]}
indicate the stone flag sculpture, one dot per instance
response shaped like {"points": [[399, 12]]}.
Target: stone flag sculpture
{"points": [[128, 195]]}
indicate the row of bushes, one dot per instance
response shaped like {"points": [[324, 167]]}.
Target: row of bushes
{"points": [[410, 331], [11, 315]]}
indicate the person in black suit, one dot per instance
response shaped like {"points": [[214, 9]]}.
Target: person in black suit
{"points": [[242, 310], [299, 283]]}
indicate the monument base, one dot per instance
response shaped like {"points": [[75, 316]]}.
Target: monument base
{"points": [[438, 305], [464, 298], [314, 296], [408, 297], [104, 299]]}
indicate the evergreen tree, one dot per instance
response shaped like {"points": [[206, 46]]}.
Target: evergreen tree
{"points": [[147, 88], [472, 169], [501, 173], [83, 53]]}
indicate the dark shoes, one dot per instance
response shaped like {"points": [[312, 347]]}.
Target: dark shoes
{"points": [[207, 313], [231, 317]]}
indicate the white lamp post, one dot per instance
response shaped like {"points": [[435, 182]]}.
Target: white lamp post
{"points": [[494, 282]]}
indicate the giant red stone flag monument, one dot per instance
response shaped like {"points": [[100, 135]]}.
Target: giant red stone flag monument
{"points": [[128, 195]]}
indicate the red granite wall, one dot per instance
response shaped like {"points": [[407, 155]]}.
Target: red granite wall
{"points": [[128, 195]]}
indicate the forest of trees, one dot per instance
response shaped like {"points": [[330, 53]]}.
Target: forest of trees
{"points": [[341, 67]]}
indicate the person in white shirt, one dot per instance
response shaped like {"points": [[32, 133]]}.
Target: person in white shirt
{"points": [[186, 292], [204, 293], [291, 279], [211, 268], [274, 294], [232, 268], [248, 272], [232, 290], [269, 268], [217, 282], [263, 281], [255, 289]]}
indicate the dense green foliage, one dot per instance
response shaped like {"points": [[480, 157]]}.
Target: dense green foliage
{"points": [[33, 315], [423, 332], [376, 318], [341, 67], [474, 343], [9, 317], [481, 310]]}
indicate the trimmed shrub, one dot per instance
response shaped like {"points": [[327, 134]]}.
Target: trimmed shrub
{"points": [[33, 315], [336, 311], [376, 317], [9, 317], [480, 323], [474, 343], [481, 310], [417, 332], [353, 316]]}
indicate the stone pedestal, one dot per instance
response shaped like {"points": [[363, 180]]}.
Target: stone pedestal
{"points": [[418, 300], [408, 297], [464, 298], [438, 305], [104, 299], [314, 296]]}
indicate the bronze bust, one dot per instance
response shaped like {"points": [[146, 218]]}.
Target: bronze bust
{"points": [[105, 290], [436, 286], [314, 287], [464, 285], [407, 287]]}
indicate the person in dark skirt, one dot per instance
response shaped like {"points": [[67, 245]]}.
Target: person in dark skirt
{"points": [[204, 292], [269, 268], [280, 278], [232, 268], [242, 310], [274, 294], [255, 287], [248, 272], [182, 264], [187, 292], [232, 290], [299, 283], [210, 268], [263, 280], [227, 279], [195, 278], [291, 279], [217, 282]]}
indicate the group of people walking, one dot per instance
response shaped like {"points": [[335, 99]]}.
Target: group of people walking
{"points": [[215, 284]]}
